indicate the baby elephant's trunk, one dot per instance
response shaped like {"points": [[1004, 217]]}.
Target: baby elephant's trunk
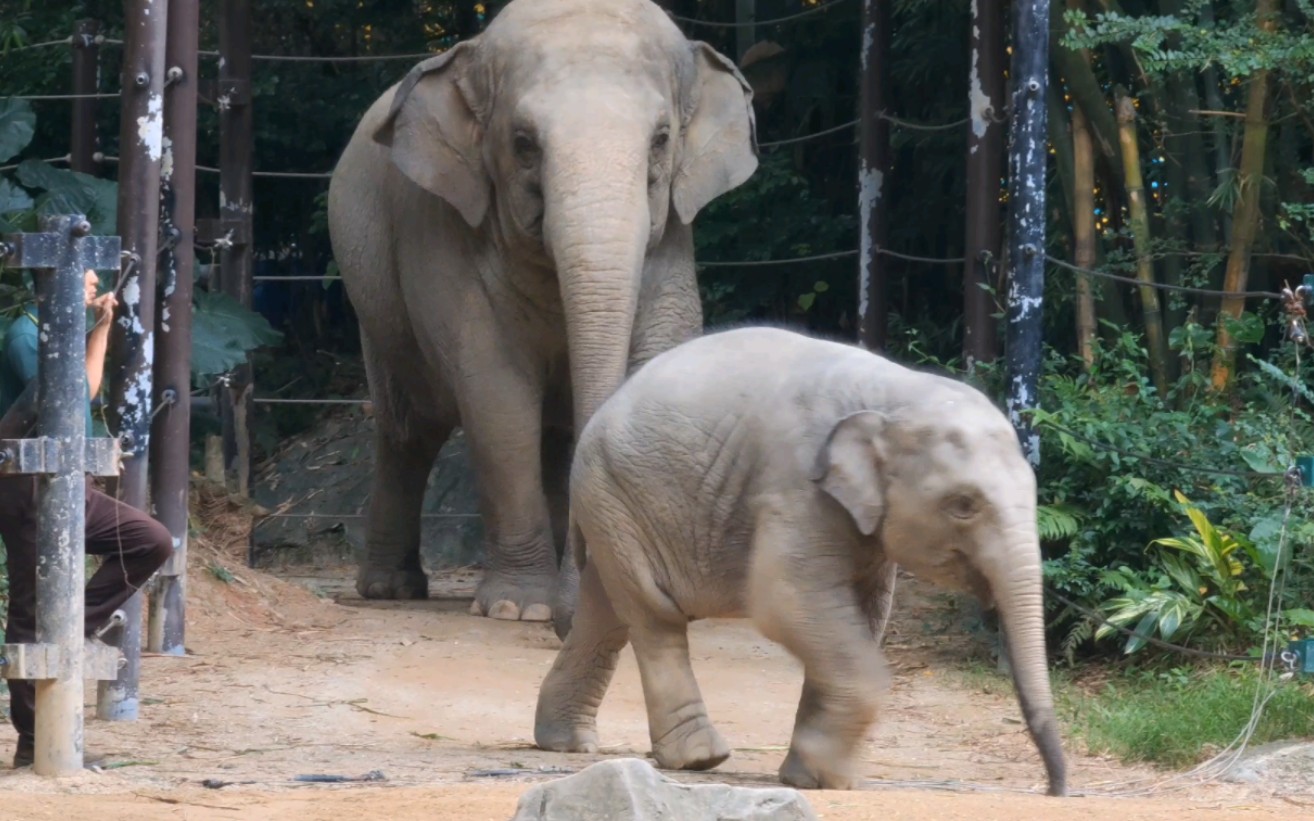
{"points": [[1015, 582]]}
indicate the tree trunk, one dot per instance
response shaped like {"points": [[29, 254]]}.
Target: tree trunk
{"points": [[1083, 232], [1152, 315], [1245, 217]]}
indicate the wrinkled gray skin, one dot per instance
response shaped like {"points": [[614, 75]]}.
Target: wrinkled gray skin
{"points": [[766, 474], [512, 222]]}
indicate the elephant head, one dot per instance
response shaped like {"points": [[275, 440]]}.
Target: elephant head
{"points": [[942, 487], [567, 135]]}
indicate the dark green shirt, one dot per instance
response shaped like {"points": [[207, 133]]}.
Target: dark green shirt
{"points": [[18, 365]]}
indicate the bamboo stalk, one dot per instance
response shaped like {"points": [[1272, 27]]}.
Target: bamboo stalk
{"points": [[1088, 95], [1083, 231], [1245, 217], [1152, 314]]}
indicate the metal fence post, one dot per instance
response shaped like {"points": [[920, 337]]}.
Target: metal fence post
{"points": [[985, 143], [873, 165], [60, 454], [141, 149], [236, 146], [86, 53], [1026, 216], [170, 461], [61, 511]]}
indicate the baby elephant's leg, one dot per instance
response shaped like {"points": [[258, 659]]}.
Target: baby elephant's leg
{"points": [[808, 604], [567, 715], [683, 737]]}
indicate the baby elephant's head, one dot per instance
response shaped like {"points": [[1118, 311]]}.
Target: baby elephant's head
{"points": [[941, 486]]}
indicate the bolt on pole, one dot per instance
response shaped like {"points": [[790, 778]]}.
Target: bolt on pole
{"points": [[170, 469], [141, 150], [1026, 217]]}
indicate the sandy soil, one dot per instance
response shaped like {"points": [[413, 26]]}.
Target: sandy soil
{"points": [[296, 676]]}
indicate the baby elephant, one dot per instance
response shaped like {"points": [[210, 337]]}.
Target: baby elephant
{"points": [[763, 473]]}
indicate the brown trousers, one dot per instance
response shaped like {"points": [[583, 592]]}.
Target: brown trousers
{"points": [[134, 546]]}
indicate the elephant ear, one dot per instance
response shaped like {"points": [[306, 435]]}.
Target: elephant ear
{"points": [[720, 141], [433, 132], [848, 468]]}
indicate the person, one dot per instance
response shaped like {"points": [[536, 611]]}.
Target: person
{"points": [[133, 544]]}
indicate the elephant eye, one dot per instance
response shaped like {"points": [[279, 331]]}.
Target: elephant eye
{"points": [[960, 506], [525, 147], [660, 139]]}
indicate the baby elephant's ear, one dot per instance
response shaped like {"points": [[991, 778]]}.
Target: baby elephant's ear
{"points": [[849, 465]]}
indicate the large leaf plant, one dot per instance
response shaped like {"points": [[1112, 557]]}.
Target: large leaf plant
{"points": [[223, 331]]}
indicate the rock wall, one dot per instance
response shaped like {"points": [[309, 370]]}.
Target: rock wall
{"points": [[318, 488]]}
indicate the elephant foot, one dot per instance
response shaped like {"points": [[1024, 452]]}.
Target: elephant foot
{"points": [[561, 737], [695, 745], [388, 583], [806, 771], [519, 599]]}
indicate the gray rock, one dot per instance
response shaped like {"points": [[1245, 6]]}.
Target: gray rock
{"points": [[631, 789], [1283, 766]]}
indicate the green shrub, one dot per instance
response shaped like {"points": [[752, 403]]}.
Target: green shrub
{"points": [[1180, 717]]}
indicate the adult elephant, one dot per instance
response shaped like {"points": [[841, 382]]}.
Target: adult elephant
{"points": [[513, 225]]}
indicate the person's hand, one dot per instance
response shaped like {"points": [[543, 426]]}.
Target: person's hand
{"points": [[103, 307]]}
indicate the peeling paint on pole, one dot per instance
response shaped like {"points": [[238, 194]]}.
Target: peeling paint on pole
{"points": [[870, 181], [978, 101], [150, 127], [1026, 216]]}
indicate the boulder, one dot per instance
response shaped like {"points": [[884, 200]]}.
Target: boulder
{"points": [[631, 789], [1283, 766]]}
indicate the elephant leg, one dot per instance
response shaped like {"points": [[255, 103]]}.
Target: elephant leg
{"points": [[838, 704], [501, 415], [566, 719], [811, 606], [682, 734], [670, 308], [405, 445]]}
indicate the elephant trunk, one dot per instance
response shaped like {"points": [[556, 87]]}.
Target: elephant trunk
{"points": [[1015, 583], [596, 227]]}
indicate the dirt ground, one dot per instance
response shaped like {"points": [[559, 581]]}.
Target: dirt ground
{"points": [[293, 675]]}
